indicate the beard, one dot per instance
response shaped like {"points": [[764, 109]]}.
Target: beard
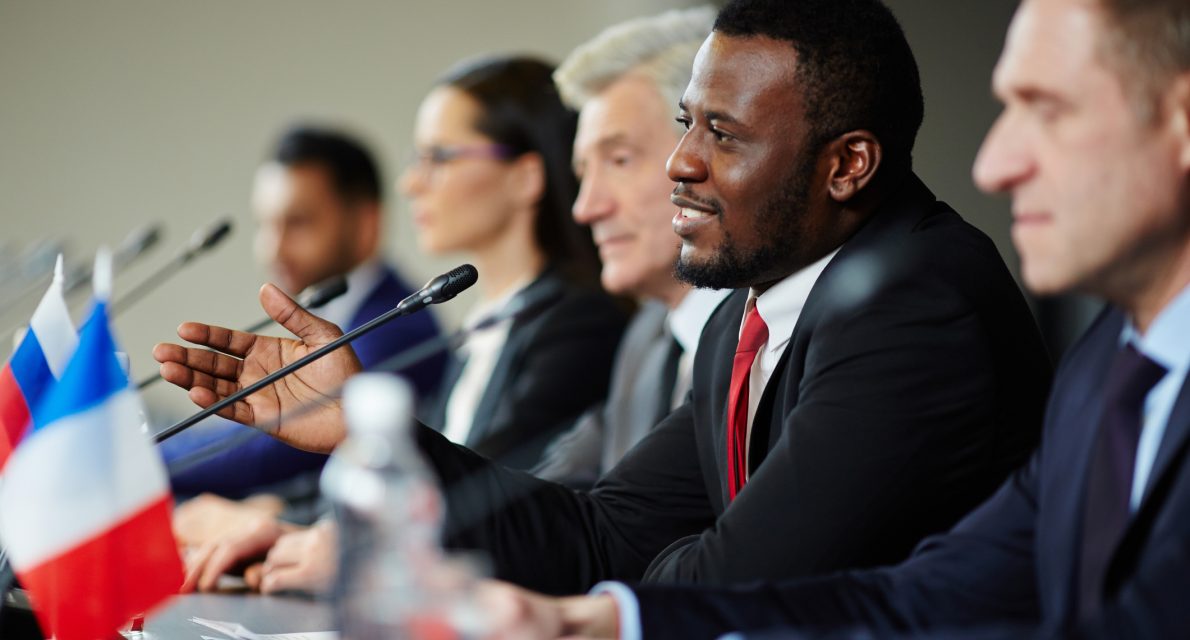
{"points": [[778, 223]]}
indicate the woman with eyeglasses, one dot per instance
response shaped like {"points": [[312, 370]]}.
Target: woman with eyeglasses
{"points": [[491, 178]]}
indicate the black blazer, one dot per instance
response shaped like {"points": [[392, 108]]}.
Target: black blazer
{"points": [[912, 385], [555, 364], [1013, 560]]}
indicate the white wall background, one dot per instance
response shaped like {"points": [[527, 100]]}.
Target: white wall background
{"points": [[120, 112]]}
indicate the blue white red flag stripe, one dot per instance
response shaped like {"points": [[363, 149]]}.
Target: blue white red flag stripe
{"points": [[38, 361]]}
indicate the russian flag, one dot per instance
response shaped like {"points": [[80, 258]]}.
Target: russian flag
{"points": [[85, 503], [36, 365]]}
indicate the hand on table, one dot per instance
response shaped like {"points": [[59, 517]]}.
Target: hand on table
{"points": [[303, 560], [208, 517], [516, 614], [236, 359], [249, 541]]}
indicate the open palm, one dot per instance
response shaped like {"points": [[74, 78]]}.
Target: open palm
{"points": [[297, 408]]}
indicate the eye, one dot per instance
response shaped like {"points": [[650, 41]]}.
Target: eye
{"points": [[621, 159], [719, 134], [684, 121], [1047, 110]]}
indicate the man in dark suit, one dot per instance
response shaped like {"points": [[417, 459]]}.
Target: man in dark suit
{"points": [[886, 378], [1090, 539], [318, 205]]}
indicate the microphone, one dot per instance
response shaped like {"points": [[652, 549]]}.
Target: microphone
{"points": [[442, 288], [30, 273], [137, 243], [521, 308], [439, 289], [200, 242], [312, 297]]}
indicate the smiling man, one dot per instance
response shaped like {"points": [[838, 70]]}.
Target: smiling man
{"points": [[877, 375]]}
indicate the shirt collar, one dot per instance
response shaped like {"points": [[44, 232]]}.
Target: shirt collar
{"points": [[1165, 342], [688, 318], [781, 304]]}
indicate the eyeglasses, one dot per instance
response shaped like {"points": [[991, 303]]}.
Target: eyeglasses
{"points": [[435, 156]]}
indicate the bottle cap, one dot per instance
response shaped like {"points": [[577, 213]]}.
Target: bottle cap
{"points": [[377, 403]]}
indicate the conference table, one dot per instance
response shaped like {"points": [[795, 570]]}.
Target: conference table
{"points": [[259, 613]]}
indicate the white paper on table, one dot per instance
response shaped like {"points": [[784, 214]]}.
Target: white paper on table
{"points": [[240, 632]]}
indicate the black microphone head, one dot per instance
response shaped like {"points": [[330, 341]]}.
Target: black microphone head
{"points": [[209, 236], [452, 283], [323, 292]]}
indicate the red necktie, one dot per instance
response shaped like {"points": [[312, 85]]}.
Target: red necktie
{"points": [[754, 335]]}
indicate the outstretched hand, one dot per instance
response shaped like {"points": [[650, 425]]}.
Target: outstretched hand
{"points": [[232, 360]]}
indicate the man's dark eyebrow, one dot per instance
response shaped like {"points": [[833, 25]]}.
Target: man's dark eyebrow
{"points": [[711, 115], [719, 116]]}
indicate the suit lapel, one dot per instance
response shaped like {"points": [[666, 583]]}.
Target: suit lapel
{"points": [[1069, 486], [716, 351], [1072, 433], [519, 334]]}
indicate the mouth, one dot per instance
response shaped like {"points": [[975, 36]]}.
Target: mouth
{"points": [[611, 242], [692, 208], [1025, 219], [691, 215]]}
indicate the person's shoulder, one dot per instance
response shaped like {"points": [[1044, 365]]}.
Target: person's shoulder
{"points": [[916, 241]]}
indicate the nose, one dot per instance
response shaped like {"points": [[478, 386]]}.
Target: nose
{"points": [[685, 164], [412, 181], [594, 202], [1005, 158]]}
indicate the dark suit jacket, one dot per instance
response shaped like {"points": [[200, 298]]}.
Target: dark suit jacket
{"points": [[913, 384], [1013, 560], [259, 461], [555, 364]]}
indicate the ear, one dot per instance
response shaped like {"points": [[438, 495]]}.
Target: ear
{"points": [[1178, 110], [852, 160], [368, 229], [527, 180]]}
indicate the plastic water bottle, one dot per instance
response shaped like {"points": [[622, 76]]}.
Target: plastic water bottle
{"points": [[389, 511]]}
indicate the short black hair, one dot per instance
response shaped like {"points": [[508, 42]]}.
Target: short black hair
{"points": [[351, 167], [853, 63], [521, 110]]}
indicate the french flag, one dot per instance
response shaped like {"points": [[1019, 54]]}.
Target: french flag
{"points": [[85, 504], [36, 365]]}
